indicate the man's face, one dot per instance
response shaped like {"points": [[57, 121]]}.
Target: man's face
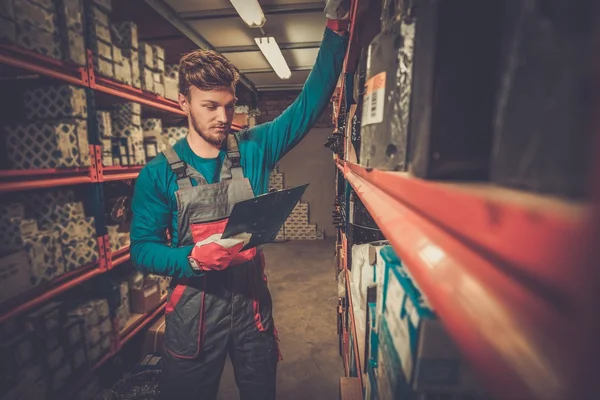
{"points": [[211, 112]]}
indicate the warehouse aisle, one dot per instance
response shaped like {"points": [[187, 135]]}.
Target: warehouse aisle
{"points": [[303, 286]]}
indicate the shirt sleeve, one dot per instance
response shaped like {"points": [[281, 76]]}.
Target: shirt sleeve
{"points": [[150, 252], [279, 136]]}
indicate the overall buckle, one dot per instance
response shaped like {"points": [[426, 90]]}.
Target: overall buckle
{"points": [[180, 169]]}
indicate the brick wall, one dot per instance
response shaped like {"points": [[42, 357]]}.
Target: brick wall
{"points": [[272, 104]]}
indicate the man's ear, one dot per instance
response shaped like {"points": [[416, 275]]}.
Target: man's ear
{"points": [[184, 104]]}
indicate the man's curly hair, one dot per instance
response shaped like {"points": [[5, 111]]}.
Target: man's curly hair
{"points": [[207, 70]]}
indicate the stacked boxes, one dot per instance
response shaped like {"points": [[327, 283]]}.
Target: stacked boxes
{"points": [[163, 283], [125, 39], [276, 183], [153, 137], [97, 327], [415, 353], [172, 82], [40, 250], [98, 24], [41, 205], [159, 69], [123, 312], [126, 127], [297, 226], [173, 134], [37, 28], [70, 18], [146, 63], [56, 137], [118, 239], [77, 235]]}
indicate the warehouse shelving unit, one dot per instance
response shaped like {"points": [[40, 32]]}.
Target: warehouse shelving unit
{"points": [[136, 325], [512, 275]]}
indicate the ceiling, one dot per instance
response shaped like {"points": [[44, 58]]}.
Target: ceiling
{"points": [[297, 26]]}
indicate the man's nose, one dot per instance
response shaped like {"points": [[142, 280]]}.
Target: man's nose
{"points": [[222, 115]]}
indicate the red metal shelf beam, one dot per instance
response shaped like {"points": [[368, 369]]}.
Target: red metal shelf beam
{"points": [[130, 93], [11, 181], [45, 292], [526, 338], [29, 61], [119, 257]]}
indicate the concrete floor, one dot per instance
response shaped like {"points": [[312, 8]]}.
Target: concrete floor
{"points": [[303, 287]]}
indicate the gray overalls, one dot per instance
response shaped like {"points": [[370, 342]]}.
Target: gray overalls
{"points": [[220, 312]]}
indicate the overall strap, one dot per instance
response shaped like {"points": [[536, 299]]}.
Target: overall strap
{"points": [[231, 166], [179, 167]]}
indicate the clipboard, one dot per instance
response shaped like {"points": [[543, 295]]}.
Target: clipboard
{"points": [[263, 216]]}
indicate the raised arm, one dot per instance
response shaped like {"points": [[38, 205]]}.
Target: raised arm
{"points": [[150, 252], [277, 137]]}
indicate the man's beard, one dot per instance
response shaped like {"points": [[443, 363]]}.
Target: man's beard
{"points": [[215, 139]]}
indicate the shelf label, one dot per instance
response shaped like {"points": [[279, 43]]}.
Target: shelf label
{"points": [[374, 100]]}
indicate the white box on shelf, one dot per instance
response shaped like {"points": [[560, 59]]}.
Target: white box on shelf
{"points": [[38, 41], [73, 48], [171, 88], [51, 102], [104, 123], [125, 34], [28, 14], [71, 15], [146, 55], [14, 275], [45, 256]]}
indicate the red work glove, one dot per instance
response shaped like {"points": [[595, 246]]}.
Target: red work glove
{"points": [[215, 253]]}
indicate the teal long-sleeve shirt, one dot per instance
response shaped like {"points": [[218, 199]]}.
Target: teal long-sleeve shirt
{"points": [[154, 205]]}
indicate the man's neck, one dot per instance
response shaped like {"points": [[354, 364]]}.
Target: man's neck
{"points": [[201, 147]]}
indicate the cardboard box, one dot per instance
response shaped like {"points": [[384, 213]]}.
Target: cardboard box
{"points": [[101, 307], [86, 312], [73, 332], [93, 352], [44, 145], [34, 16], [40, 204], [171, 88], [15, 230], [14, 276], [147, 79], [146, 299], [98, 23], [66, 213], [159, 89], [106, 343], [125, 34], [134, 60], [152, 125], [38, 41], [55, 358], [126, 117], [78, 358], [73, 48], [172, 71], [154, 338], [71, 15], [123, 72], [80, 252], [103, 119], [430, 360], [52, 102], [45, 255], [122, 316], [146, 56], [51, 339], [104, 67], [59, 377], [173, 134], [44, 319], [103, 49]]}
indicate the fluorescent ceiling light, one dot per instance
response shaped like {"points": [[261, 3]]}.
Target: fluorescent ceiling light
{"points": [[272, 52], [250, 12]]}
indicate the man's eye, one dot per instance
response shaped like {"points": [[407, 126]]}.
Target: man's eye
{"points": [[230, 107], [211, 108]]}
